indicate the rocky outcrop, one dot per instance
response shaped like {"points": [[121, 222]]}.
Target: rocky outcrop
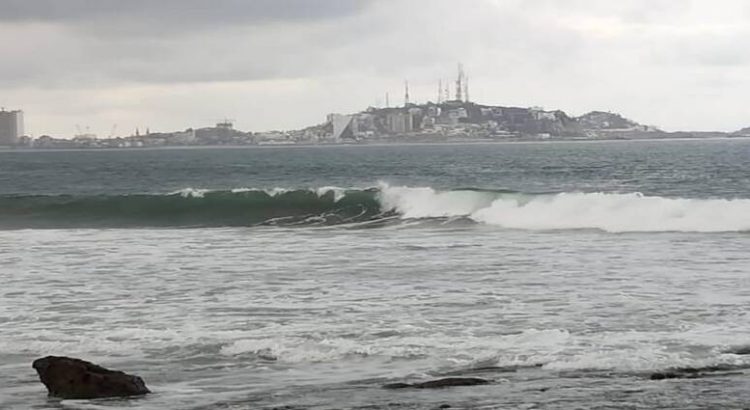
{"points": [[70, 378], [439, 383]]}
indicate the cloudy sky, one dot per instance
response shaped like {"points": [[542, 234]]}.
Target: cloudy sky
{"points": [[284, 64]]}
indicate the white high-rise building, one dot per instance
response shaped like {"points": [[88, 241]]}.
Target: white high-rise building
{"points": [[11, 126]]}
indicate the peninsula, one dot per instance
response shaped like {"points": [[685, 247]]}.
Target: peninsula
{"points": [[448, 121]]}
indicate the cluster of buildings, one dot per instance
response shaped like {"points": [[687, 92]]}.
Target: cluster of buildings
{"points": [[451, 117], [223, 133], [454, 117], [451, 120]]}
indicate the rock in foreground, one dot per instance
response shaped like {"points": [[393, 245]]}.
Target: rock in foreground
{"points": [[70, 378], [440, 383]]}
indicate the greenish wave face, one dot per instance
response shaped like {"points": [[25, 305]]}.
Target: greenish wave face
{"points": [[189, 209]]}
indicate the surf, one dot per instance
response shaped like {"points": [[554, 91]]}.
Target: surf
{"points": [[609, 212], [376, 206]]}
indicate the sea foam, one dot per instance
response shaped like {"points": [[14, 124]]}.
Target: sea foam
{"points": [[610, 212]]}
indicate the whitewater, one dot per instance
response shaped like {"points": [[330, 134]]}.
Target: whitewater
{"points": [[309, 277], [605, 211]]}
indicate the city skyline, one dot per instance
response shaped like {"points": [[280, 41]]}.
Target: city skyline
{"points": [[676, 65]]}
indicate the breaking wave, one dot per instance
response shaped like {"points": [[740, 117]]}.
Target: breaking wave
{"points": [[611, 212], [377, 206]]}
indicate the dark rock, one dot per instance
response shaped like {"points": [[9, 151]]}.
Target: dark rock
{"points": [[397, 386], [445, 406], [451, 382], [70, 378], [742, 350], [666, 375], [696, 372], [439, 383]]}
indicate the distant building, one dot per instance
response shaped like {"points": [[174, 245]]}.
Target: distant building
{"points": [[186, 137], [11, 126], [541, 115], [399, 122], [363, 126]]}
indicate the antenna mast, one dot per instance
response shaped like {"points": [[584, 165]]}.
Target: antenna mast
{"points": [[466, 88], [406, 93], [459, 80]]}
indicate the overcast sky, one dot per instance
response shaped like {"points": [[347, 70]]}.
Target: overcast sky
{"points": [[285, 64]]}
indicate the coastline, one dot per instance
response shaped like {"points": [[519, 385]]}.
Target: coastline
{"points": [[378, 143]]}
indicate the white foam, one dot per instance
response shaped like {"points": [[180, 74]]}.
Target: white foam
{"points": [[605, 211], [272, 192], [276, 191], [338, 193], [242, 190], [190, 192], [644, 358], [427, 202]]}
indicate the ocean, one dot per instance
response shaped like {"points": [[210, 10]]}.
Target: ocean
{"points": [[309, 277]]}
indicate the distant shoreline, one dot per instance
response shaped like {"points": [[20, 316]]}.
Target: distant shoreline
{"points": [[375, 144]]}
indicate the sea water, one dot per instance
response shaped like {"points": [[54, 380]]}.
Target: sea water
{"points": [[309, 277]]}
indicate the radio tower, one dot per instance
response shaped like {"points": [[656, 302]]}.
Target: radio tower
{"points": [[466, 88], [406, 93], [440, 92], [459, 80], [447, 91]]}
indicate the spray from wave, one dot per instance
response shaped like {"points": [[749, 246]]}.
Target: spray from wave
{"points": [[377, 206]]}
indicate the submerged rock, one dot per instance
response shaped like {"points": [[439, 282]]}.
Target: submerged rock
{"points": [[696, 372], [741, 350], [70, 378], [439, 383], [667, 375]]}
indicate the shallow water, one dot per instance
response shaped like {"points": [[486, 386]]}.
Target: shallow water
{"points": [[322, 315]]}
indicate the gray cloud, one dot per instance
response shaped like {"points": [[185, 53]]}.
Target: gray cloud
{"points": [[575, 55], [180, 13], [91, 42]]}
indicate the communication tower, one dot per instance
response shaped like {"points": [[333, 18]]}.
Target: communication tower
{"points": [[466, 89], [459, 82], [406, 93]]}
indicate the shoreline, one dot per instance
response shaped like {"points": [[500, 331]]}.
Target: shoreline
{"points": [[379, 143]]}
